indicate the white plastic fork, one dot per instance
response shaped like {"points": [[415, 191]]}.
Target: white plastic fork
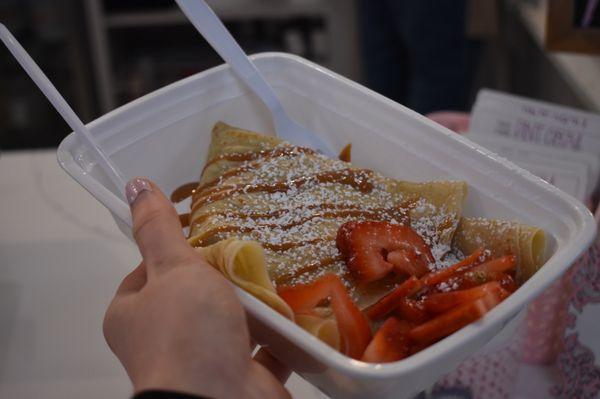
{"points": [[213, 30], [63, 108]]}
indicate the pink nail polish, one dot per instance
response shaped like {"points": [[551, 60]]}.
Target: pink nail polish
{"points": [[135, 187]]}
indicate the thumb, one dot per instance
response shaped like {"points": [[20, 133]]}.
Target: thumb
{"points": [[156, 227]]}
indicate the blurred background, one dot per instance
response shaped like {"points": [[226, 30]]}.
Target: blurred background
{"points": [[430, 55], [57, 243]]}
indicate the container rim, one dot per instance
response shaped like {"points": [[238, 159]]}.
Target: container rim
{"points": [[556, 265]]}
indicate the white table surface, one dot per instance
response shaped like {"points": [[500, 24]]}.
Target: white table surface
{"points": [[61, 259]]}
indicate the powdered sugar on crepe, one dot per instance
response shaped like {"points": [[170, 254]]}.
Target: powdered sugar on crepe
{"points": [[306, 217]]}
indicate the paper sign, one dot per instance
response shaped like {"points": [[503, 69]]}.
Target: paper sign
{"points": [[559, 144], [535, 122], [570, 174]]}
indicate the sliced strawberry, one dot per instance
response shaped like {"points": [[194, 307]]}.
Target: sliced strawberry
{"points": [[408, 262], [392, 300], [493, 270], [501, 264], [303, 298], [471, 275], [453, 320], [355, 332], [503, 293], [390, 342], [508, 283], [342, 238], [369, 243], [471, 279], [413, 311], [443, 301], [437, 277]]}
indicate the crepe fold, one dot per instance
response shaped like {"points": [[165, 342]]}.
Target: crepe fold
{"points": [[527, 243], [243, 263], [231, 140], [324, 328]]}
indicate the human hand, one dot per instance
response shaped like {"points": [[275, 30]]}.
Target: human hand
{"points": [[175, 323]]}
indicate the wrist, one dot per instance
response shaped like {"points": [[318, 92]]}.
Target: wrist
{"points": [[175, 379], [160, 394]]}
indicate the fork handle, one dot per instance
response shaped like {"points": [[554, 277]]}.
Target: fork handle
{"points": [[212, 29], [61, 105]]}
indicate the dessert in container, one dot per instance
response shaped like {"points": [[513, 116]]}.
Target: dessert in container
{"points": [[165, 134]]}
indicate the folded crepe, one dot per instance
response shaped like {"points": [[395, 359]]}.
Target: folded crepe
{"points": [[292, 201], [500, 237], [243, 263], [266, 213]]}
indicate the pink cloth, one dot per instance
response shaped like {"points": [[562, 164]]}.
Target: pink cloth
{"points": [[547, 336], [455, 121], [489, 375], [545, 323], [578, 366]]}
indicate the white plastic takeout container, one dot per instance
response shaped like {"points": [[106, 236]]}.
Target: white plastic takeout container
{"points": [[165, 134]]}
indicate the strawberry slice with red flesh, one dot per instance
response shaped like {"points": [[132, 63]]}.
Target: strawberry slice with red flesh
{"points": [[390, 343], [342, 239], [443, 301], [413, 310], [391, 301], [439, 276], [502, 264], [374, 249], [303, 298], [493, 270], [507, 282], [353, 326], [408, 262], [453, 320], [474, 279]]}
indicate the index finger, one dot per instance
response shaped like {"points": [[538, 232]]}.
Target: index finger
{"points": [[156, 227]]}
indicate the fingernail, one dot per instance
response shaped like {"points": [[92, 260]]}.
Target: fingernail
{"points": [[135, 187]]}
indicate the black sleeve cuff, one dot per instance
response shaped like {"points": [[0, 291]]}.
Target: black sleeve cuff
{"points": [[166, 395]]}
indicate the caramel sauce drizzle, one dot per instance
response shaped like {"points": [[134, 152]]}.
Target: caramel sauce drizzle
{"points": [[184, 191], [366, 214], [285, 278], [280, 152], [184, 219], [189, 189], [252, 155], [273, 247], [346, 153], [208, 193], [401, 212], [206, 237], [357, 178], [226, 175], [278, 212], [289, 245]]}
